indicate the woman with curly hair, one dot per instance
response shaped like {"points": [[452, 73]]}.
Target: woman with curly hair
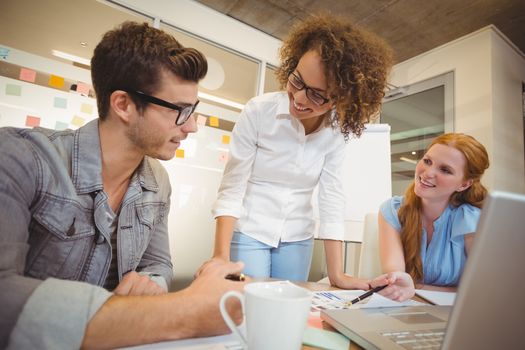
{"points": [[425, 236], [286, 143]]}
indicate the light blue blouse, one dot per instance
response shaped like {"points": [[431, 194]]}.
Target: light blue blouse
{"points": [[444, 258]]}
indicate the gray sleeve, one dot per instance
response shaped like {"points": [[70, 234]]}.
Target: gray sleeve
{"points": [[56, 315], [33, 312], [18, 188]]}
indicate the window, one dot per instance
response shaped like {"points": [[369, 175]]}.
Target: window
{"points": [[231, 76], [416, 113], [270, 80]]}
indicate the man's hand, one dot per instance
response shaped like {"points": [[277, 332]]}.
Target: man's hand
{"points": [[135, 284], [400, 285], [214, 260], [205, 293]]}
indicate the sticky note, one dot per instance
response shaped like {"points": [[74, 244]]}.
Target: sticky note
{"points": [[56, 81], [32, 121], [226, 139], [61, 126], [4, 53], [86, 108], [214, 121], [60, 102], [83, 88], [323, 339], [78, 121], [201, 120], [223, 157], [27, 75], [13, 90], [179, 153]]}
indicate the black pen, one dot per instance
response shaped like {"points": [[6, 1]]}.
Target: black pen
{"points": [[366, 295], [236, 277]]}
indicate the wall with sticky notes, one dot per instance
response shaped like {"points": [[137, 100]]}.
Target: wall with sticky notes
{"points": [[32, 97]]}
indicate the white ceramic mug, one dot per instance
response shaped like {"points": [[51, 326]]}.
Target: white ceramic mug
{"points": [[275, 314]]}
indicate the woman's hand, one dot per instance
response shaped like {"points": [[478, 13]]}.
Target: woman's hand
{"points": [[400, 285]]}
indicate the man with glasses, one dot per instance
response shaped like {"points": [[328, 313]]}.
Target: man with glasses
{"points": [[84, 251]]}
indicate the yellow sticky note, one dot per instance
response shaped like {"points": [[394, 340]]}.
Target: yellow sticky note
{"points": [[226, 139], [214, 121], [86, 108], [179, 153], [56, 81], [78, 121]]}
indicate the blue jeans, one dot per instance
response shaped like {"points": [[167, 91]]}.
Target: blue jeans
{"points": [[289, 261]]}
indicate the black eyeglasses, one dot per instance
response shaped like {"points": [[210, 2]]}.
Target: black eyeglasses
{"points": [[183, 113], [312, 95]]}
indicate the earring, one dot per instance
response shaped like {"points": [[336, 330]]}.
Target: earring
{"points": [[333, 114]]}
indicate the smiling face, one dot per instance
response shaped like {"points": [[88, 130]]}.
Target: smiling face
{"points": [[440, 173], [310, 71], [154, 132]]}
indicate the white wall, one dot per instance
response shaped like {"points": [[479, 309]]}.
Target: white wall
{"points": [[488, 74], [508, 73]]}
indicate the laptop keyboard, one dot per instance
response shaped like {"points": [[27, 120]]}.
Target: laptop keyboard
{"points": [[424, 339]]}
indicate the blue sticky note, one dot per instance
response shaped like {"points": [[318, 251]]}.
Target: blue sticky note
{"points": [[320, 338], [4, 53], [60, 102], [61, 126]]}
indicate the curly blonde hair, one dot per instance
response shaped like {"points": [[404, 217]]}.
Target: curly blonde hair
{"points": [[356, 65]]}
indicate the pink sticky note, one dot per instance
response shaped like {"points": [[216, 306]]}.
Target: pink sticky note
{"points": [[32, 121], [27, 75], [83, 88], [223, 157], [201, 120]]}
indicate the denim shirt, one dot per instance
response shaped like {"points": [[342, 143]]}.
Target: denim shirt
{"points": [[54, 229]]}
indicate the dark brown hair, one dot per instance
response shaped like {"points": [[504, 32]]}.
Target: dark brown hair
{"points": [[356, 65], [132, 57], [477, 161]]}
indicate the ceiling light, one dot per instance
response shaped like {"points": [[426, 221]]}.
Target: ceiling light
{"points": [[83, 44], [413, 152], [221, 100], [408, 160], [71, 57]]}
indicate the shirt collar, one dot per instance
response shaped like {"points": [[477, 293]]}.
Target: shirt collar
{"points": [[86, 159], [87, 163], [283, 105], [283, 111]]}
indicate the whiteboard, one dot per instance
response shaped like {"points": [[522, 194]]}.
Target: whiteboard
{"points": [[366, 178]]}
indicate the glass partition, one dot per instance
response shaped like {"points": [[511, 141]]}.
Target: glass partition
{"points": [[231, 76], [416, 114], [270, 80]]}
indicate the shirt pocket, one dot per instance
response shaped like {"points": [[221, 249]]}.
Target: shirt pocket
{"points": [[61, 234], [149, 215]]}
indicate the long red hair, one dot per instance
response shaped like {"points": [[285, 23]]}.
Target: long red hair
{"points": [[477, 161]]}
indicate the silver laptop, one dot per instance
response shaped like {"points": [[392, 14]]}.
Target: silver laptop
{"points": [[489, 311]]}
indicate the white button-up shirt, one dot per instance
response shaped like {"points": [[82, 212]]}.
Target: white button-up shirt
{"points": [[272, 172]]}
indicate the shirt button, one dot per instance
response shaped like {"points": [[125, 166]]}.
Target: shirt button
{"points": [[100, 239]]}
